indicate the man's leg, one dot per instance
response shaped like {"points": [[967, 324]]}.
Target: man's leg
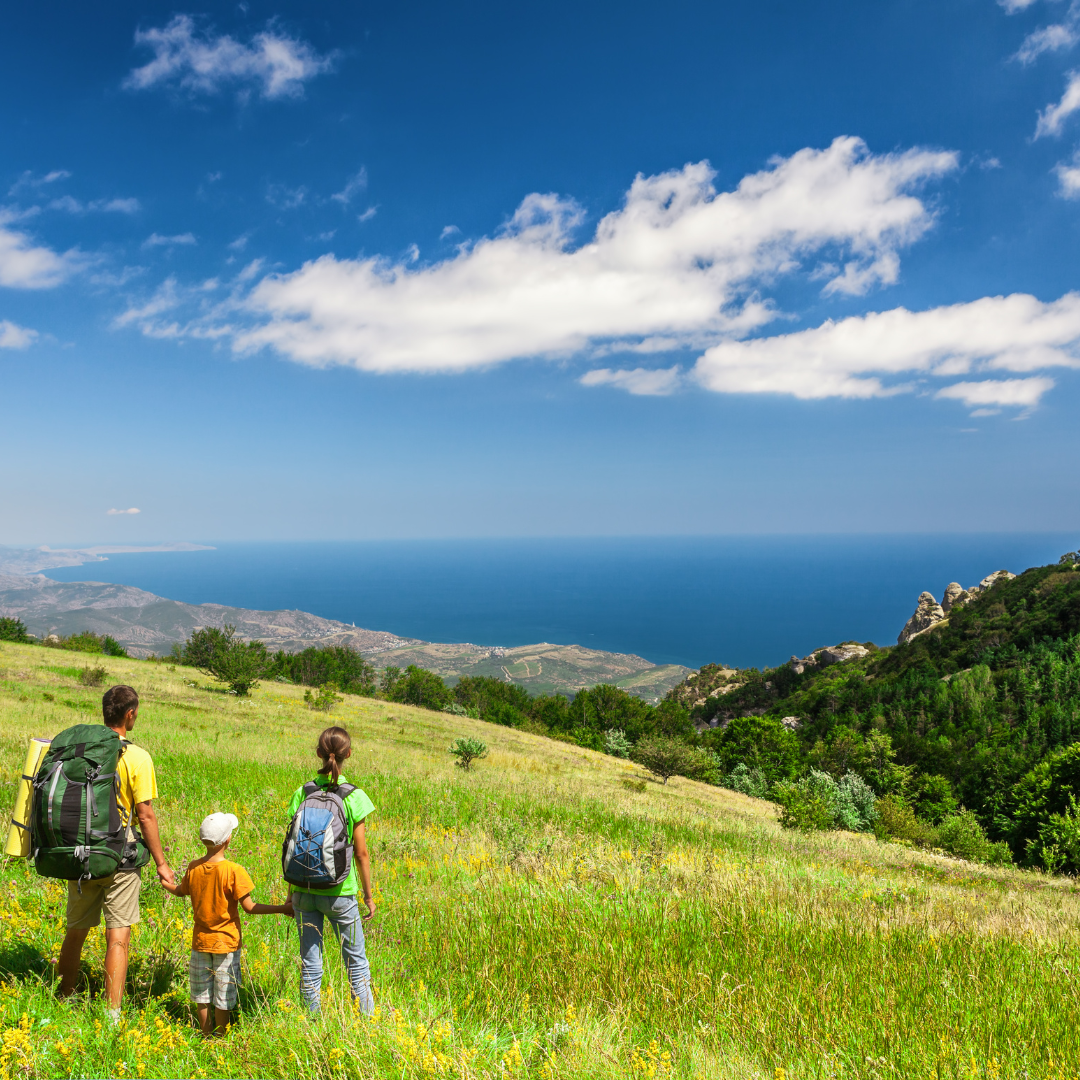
{"points": [[117, 939], [67, 965]]}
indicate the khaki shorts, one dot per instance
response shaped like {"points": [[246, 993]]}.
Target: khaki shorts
{"points": [[117, 895], [215, 977]]}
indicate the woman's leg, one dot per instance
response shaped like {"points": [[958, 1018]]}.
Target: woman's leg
{"points": [[310, 927], [344, 916]]}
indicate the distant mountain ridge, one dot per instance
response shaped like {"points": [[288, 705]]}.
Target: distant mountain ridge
{"points": [[145, 624]]}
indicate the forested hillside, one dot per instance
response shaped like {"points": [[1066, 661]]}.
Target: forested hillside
{"points": [[957, 717]]}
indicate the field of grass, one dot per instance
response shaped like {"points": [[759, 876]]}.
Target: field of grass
{"points": [[550, 913]]}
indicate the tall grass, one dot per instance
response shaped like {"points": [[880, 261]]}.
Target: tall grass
{"points": [[538, 916]]}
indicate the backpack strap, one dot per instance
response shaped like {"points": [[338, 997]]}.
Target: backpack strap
{"points": [[344, 790], [310, 788]]}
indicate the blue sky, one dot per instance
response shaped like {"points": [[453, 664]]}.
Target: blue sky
{"points": [[332, 271]]}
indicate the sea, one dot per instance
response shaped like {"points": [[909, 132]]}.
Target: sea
{"points": [[738, 600]]}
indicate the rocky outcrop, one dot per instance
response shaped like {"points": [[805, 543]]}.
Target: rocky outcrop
{"points": [[832, 654], [955, 595], [926, 615], [792, 723], [929, 612], [991, 580]]}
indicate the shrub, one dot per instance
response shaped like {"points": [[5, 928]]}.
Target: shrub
{"points": [[616, 743], [92, 676], [13, 630], [962, 835], [820, 802], [315, 666], [747, 781], [897, 820], [467, 751], [222, 655], [324, 698], [455, 709], [760, 743]]}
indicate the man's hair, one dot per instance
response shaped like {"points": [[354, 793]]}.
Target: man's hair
{"points": [[116, 702]]}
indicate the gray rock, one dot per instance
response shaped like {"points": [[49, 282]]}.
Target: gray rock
{"points": [[926, 615], [832, 654], [792, 723], [991, 580], [955, 596]]}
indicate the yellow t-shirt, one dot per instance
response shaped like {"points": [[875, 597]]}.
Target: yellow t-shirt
{"points": [[138, 782]]}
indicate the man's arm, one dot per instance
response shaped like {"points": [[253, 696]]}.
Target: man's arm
{"points": [[149, 827], [363, 861]]}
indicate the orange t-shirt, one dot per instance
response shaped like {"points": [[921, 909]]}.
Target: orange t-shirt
{"points": [[216, 890]]}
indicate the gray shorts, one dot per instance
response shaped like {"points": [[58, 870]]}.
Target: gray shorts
{"points": [[215, 977]]}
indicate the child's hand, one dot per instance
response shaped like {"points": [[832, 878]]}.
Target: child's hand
{"points": [[287, 909]]}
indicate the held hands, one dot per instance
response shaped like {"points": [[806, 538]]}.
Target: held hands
{"points": [[166, 876], [287, 908]]}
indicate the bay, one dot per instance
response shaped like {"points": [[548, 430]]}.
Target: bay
{"points": [[740, 600]]}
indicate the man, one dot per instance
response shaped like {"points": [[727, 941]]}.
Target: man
{"points": [[117, 895]]}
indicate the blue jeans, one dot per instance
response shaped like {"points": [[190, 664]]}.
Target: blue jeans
{"points": [[343, 912]]}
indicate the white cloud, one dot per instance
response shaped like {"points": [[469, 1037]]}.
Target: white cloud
{"points": [[1046, 39], [1053, 117], [1013, 6], [156, 240], [860, 357], [1016, 392], [368, 214], [448, 231], [202, 63], [650, 382], [73, 206], [1069, 178], [26, 266], [13, 336], [286, 198], [678, 265], [353, 187], [131, 510]]}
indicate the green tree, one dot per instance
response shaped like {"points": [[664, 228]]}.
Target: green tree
{"points": [[758, 742], [225, 657], [415, 686], [666, 757], [13, 630]]}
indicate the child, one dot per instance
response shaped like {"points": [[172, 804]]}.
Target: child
{"points": [[338, 902], [216, 886]]}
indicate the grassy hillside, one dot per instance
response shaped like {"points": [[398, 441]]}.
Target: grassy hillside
{"points": [[551, 913]]}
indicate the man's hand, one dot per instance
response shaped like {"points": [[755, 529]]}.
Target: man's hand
{"points": [[370, 904], [166, 876]]}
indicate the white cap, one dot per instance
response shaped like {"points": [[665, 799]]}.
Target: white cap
{"points": [[217, 828]]}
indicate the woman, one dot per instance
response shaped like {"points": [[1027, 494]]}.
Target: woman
{"points": [[336, 903]]}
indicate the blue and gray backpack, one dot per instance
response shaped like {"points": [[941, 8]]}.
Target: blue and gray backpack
{"points": [[317, 853]]}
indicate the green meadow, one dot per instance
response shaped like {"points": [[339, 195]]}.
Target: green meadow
{"points": [[550, 913]]}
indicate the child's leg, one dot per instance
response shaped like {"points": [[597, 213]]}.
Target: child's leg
{"points": [[345, 917], [201, 980], [226, 988], [310, 926]]}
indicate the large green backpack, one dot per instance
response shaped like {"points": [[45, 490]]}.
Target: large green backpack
{"points": [[75, 827]]}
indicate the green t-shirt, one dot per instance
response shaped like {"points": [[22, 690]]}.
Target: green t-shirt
{"points": [[357, 807]]}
